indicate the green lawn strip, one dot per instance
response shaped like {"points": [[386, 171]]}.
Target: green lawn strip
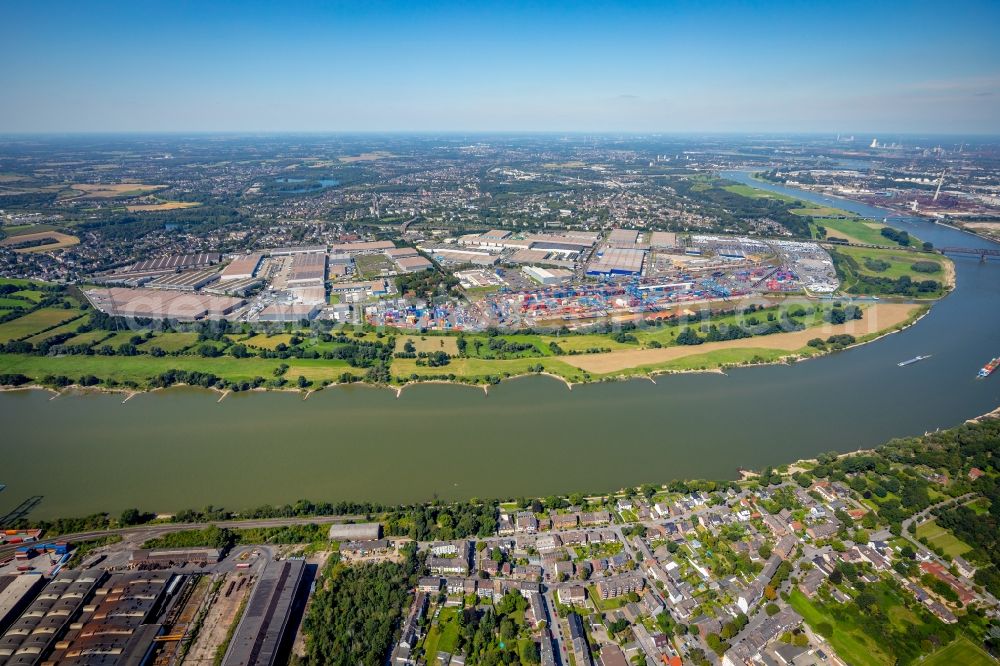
{"points": [[850, 642]]}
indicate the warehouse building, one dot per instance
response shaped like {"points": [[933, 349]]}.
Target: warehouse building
{"points": [[118, 626], [33, 635], [176, 556], [548, 276], [302, 249], [414, 264], [663, 240], [362, 247], [243, 267], [186, 281], [356, 532], [161, 304], [175, 263], [289, 312], [617, 261], [308, 269], [16, 592], [259, 638]]}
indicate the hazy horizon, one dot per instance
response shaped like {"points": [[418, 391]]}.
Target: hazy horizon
{"points": [[589, 67]]}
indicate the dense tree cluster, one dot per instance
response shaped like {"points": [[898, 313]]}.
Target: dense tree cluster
{"points": [[355, 612]]}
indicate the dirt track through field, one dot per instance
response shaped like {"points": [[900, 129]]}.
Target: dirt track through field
{"points": [[877, 318]]}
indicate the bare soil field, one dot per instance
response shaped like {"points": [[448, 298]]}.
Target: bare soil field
{"points": [[877, 318], [110, 190], [219, 618], [166, 205], [61, 241], [366, 157]]}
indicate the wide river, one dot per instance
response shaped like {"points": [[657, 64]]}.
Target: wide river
{"points": [[181, 448]]}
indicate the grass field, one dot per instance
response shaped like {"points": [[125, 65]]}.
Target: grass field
{"points": [[13, 304], [35, 322], [754, 193], [270, 343], [942, 538], [475, 368], [442, 636], [171, 342], [88, 338], [141, 368], [899, 262], [32, 295], [431, 343], [68, 327], [856, 231], [850, 642], [960, 651]]}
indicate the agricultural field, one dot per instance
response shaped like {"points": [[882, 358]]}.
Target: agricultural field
{"points": [[942, 538], [35, 322], [754, 193], [61, 240]]}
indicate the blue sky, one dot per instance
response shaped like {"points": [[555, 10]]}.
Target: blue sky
{"points": [[519, 66]]}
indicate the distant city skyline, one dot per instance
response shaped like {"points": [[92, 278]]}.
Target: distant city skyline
{"points": [[913, 67]]}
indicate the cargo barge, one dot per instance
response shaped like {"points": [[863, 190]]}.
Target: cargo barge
{"points": [[988, 369]]}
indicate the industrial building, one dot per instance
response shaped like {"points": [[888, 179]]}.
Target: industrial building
{"points": [[356, 532], [617, 261], [118, 626], [16, 592], [170, 557], [29, 639], [362, 247], [548, 276], [413, 264], [161, 304], [260, 633], [242, 268], [308, 269], [302, 249], [175, 263], [623, 237], [289, 312], [663, 240], [186, 281]]}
